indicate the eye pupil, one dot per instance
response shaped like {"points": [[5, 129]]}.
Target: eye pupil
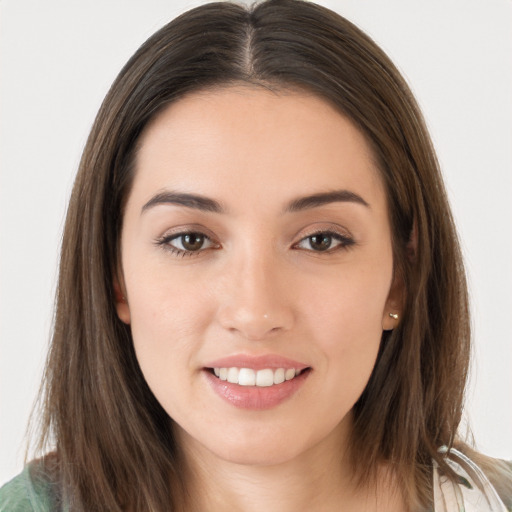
{"points": [[192, 241], [320, 242]]}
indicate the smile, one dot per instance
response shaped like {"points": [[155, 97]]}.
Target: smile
{"points": [[266, 377], [248, 388]]}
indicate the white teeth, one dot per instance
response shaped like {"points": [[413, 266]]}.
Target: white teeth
{"points": [[247, 377], [289, 374], [265, 378], [279, 376], [261, 378], [233, 375]]}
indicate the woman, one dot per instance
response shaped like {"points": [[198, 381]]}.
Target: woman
{"points": [[261, 300]]}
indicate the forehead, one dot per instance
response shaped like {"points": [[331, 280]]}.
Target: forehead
{"points": [[250, 141]]}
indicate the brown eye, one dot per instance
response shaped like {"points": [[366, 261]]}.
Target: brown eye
{"points": [[192, 241], [320, 242], [187, 243], [325, 242]]}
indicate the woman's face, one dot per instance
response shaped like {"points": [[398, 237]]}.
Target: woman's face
{"points": [[256, 246]]}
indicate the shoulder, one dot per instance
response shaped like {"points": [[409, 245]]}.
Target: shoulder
{"points": [[30, 491], [484, 483], [500, 474]]}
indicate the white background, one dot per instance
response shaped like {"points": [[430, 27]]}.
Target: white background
{"points": [[58, 58]]}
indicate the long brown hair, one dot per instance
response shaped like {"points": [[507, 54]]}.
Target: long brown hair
{"points": [[112, 439]]}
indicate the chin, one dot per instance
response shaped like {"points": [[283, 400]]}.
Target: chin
{"points": [[259, 454], [269, 445]]}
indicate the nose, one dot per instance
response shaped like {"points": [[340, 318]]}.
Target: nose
{"points": [[256, 298]]}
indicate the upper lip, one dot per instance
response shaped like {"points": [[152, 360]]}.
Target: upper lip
{"points": [[272, 361]]}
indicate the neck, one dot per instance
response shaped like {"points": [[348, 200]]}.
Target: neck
{"points": [[317, 479], [218, 484]]}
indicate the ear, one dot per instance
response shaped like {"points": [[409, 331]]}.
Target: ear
{"points": [[396, 298], [122, 308], [394, 304]]}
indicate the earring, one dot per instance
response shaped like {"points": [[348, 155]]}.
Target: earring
{"points": [[394, 316]]}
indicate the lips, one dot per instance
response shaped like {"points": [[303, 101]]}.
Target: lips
{"points": [[261, 382]]}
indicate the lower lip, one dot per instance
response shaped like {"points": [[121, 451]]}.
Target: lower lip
{"points": [[256, 397]]}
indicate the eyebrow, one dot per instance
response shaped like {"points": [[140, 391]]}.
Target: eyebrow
{"points": [[196, 201], [207, 204], [321, 199]]}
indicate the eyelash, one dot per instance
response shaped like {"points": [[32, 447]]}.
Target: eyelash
{"points": [[345, 242], [165, 243]]}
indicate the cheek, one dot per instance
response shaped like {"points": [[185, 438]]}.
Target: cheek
{"points": [[349, 305], [167, 316], [165, 302], [345, 317]]}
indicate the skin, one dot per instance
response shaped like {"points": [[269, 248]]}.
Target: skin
{"points": [[258, 285]]}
